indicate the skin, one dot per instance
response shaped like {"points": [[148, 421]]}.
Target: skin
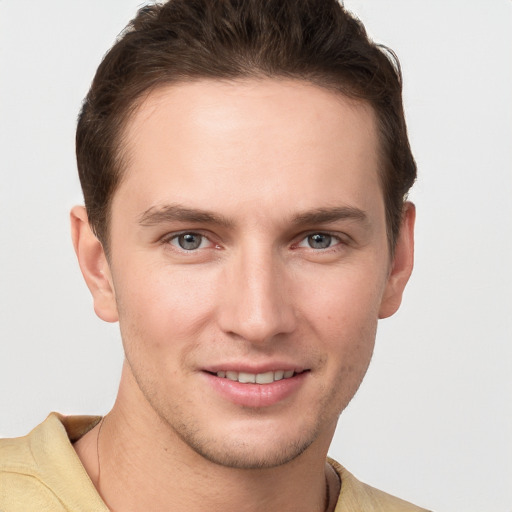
{"points": [[259, 172]]}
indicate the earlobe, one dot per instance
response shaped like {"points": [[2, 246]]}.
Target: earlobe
{"points": [[402, 264], [94, 265]]}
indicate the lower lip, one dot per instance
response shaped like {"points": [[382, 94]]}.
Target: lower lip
{"points": [[256, 395]]}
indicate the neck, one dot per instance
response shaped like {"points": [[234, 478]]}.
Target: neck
{"points": [[129, 452]]}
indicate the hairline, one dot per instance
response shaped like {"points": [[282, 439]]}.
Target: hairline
{"points": [[122, 152]]}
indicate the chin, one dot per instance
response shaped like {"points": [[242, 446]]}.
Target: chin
{"points": [[243, 455]]}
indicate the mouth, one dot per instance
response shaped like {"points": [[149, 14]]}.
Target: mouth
{"points": [[256, 389], [257, 378]]}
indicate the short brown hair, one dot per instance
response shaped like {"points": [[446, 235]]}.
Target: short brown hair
{"points": [[316, 41]]}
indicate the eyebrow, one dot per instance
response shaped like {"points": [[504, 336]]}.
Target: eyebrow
{"points": [[327, 215], [175, 212]]}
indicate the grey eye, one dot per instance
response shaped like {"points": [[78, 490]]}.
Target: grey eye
{"points": [[189, 241], [319, 241]]}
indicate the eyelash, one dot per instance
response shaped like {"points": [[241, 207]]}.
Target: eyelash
{"points": [[168, 239], [331, 238], [306, 238]]}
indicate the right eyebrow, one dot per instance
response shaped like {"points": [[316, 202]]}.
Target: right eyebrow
{"points": [[175, 212]]}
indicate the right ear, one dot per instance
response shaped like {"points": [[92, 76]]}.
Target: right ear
{"points": [[94, 265]]}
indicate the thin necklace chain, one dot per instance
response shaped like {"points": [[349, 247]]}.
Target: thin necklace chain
{"points": [[99, 465], [98, 448], [327, 493]]}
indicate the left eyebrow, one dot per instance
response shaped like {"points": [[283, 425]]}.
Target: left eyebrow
{"points": [[178, 213], [328, 215]]}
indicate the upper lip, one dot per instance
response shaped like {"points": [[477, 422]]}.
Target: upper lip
{"points": [[254, 368]]}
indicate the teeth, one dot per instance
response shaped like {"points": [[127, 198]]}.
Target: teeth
{"points": [[246, 378], [264, 378], [256, 378]]}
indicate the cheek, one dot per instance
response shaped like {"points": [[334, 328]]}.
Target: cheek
{"points": [[344, 299], [157, 305], [351, 341], [343, 314]]}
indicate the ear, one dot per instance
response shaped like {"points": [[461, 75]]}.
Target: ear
{"points": [[94, 265], [401, 266]]}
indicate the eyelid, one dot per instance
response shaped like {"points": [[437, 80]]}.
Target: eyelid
{"points": [[169, 237], [339, 237]]}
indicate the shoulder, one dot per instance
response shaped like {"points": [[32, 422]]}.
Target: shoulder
{"points": [[356, 496], [21, 482], [40, 471], [15, 455]]}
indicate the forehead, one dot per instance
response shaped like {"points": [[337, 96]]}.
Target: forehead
{"points": [[253, 139]]}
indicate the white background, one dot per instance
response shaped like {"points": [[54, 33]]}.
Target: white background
{"points": [[432, 422]]}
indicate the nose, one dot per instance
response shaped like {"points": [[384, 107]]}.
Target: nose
{"points": [[256, 302]]}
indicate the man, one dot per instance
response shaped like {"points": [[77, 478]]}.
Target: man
{"points": [[245, 167]]}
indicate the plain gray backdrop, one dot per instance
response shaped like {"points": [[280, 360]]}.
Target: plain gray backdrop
{"points": [[432, 422]]}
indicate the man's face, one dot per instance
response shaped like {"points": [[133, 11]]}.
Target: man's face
{"points": [[248, 242]]}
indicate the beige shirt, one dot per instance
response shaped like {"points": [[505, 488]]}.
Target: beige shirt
{"points": [[41, 472]]}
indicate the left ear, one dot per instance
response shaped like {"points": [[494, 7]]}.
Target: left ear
{"points": [[401, 266], [94, 265]]}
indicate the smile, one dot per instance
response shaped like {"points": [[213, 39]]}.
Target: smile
{"points": [[257, 389], [256, 378]]}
